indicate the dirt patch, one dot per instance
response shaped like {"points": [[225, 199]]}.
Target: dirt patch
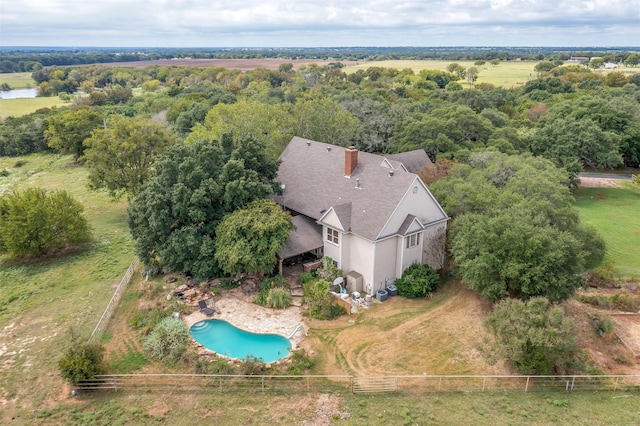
{"points": [[627, 328], [608, 353], [590, 182], [159, 409], [326, 410]]}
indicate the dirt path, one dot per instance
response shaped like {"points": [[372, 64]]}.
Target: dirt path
{"points": [[592, 182]]}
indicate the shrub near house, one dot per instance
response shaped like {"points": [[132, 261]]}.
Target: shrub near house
{"points": [[417, 281]]}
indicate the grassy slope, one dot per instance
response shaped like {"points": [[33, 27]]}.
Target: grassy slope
{"points": [[18, 80], [41, 301], [24, 106], [614, 212]]}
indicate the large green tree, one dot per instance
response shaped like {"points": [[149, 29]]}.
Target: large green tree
{"points": [[326, 121], [34, 223], [515, 230], [535, 336], [66, 131], [119, 157], [573, 144], [272, 125], [592, 130], [248, 239], [445, 129], [174, 217]]}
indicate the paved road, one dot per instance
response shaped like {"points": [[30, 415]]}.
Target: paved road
{"points": [[604, 176]]}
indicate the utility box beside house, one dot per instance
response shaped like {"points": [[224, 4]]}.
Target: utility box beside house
{"points": [[354, 282]]}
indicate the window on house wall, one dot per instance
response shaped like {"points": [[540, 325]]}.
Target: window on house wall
{"points": [[413, 240], [333, 236]]}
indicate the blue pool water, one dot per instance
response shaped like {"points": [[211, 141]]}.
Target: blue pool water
{"points": [[225, 339]]}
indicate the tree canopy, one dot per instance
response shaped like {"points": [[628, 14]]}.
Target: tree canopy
{"points": [[67, 130], [515, 230], [34, 223], [119, 157], [174, 217], [249, 238], [272, 125], [535, 336]]}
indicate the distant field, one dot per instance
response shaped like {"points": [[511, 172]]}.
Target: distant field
{"points": [[232, 64], [614, 212], [18, 80], [507, 74]]}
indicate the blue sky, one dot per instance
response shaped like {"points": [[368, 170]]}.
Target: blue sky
{"points": [[313, 23]]}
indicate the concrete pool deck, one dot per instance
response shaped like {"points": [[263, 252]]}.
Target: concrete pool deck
{"points": [[248, 316]]}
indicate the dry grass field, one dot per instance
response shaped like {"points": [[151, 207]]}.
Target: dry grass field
{"points": [[400, 336]]}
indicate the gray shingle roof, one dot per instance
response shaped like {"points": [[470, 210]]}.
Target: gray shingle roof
{"points": [[306, 237], [414, 161], [313, 173], [408, 221]]}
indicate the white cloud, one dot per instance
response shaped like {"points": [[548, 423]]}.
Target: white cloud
{"points": [[319, 22]]}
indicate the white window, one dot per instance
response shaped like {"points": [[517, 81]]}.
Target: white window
{"points": [[413, 240], [333, 236]]}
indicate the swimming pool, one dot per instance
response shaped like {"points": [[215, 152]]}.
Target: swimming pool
{"points": [[225, 339]]}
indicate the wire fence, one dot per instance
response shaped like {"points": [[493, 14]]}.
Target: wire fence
{"points": [[113, 303], [374, 384]]}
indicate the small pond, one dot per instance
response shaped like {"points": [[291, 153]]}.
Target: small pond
{"points": [[18, 93]]}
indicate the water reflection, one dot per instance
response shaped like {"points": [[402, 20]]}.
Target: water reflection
{"points": [[18, 93]]}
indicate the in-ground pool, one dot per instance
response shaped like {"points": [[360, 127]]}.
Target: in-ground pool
{"points": [[225, 339]]}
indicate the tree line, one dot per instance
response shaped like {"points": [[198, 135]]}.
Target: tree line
{"points": [[29, 59]]}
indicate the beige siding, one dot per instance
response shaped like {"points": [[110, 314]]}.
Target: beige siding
{"points": [[360, 259], [386, 253], [345, 252], [420, 204]]}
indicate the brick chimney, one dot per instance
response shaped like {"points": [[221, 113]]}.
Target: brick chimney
{"points": [[350, 160]]}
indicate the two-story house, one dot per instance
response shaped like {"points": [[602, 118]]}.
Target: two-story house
{"points": [[371, 214]]}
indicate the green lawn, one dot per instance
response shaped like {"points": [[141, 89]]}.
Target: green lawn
{"points": [[615, 213], [42, 301], [24, 106], [18, 80]]}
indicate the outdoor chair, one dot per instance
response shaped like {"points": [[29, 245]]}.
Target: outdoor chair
{"points": [[204, 309]]}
